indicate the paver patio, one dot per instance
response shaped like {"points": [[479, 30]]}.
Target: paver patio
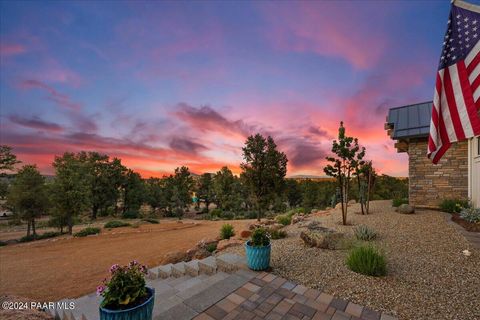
{"points": [[270, 297]]}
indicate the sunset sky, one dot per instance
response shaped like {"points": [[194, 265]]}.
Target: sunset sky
{"points": [[164, 84]]}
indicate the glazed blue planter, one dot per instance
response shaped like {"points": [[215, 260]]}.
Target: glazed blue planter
{"points": [[140, 312], [258, 258]]}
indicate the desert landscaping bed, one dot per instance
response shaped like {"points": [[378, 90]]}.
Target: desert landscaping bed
{"points": [[428, 275]]}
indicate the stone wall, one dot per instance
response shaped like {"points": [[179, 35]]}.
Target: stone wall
{"points": [[429, 184]]}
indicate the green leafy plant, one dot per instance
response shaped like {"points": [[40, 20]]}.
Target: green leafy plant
{"points": [[87, 231], [211, 247], [116, 224], [471, 215], [46, 235], [227, 231], [453, 205], [260, 238], [365, 233], [284, 219], [151, 220], [367, 260], [130, 214], [278, 234], [126, 286], [397, 202]]}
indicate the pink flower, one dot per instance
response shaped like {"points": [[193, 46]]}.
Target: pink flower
{"points": [[114, 268], [100, 290]]}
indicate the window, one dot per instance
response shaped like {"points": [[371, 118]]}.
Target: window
{"points": [[478, 146]]}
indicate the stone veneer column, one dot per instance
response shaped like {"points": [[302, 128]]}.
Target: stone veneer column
{"points": [[429, 184]]}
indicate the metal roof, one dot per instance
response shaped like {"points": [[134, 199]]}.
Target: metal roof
{"points": [[411, 121]]}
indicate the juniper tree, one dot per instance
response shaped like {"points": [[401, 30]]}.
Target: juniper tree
{"points": [[27, 195], [263, 171], [348, 155]]}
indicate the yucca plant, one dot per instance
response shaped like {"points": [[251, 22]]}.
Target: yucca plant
{"points": [[367, 260], [365, 233]]}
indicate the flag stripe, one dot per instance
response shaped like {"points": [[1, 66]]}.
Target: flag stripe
{"points": [[472, 54], [452, 106], [474, 73], [461, 87], [472, 118]]}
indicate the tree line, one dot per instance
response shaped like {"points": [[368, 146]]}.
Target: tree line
{"points": [[94, 183]]}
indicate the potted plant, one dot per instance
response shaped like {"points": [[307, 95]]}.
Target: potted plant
{"points": [[258, 250], [125, 296]]}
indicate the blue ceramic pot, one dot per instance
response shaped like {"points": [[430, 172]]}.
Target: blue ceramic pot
{"points": [[258, 258], [140, 312]]}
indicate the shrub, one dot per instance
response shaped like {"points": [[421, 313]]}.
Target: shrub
{"points": [[2, 243], [365, 233], [397, 202], [115, 224], [27, 238], [211, 247], [130, 214], [49, 234], [278, 234], [125, 288], [151, 220], [471, 215], [87, 231], [251, 214], [227, 215], [284, 219], [453, 205], [216, 213], [367, 260], [227, 231], [260, 238]]}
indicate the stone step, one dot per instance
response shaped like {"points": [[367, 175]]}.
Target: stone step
{"points": [[174, 281], [207, 265], [229, 262], [178, 269], [152, 273], [207, 282], [165, 271], [191, 268]]}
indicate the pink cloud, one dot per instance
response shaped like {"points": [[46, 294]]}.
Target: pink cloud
{"points": [[325, 28], [7, 50], [58, 98]]}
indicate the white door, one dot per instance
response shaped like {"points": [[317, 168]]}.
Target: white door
{"points": [[475, 167]]}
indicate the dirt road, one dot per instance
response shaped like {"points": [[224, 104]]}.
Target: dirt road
{"points": [[52, 269]]}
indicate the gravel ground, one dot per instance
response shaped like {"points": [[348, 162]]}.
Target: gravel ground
{"points": [[428, 276]]}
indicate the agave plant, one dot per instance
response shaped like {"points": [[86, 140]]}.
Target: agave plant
{"points": [[365, 233]]}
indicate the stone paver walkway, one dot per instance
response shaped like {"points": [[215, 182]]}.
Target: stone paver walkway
{"points": [[270, 297], [223, 287], [472, 237]]}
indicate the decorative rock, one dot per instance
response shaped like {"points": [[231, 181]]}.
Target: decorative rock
{"points": [[326, 239], [201, 253], [245, 233], [338, 206], [206, 242], [269, 222], [351, 202], [405, 209], [174, 257], [228, 243], [297, 218]]}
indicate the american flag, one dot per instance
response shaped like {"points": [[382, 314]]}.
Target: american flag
{"points": [[457, 88]]}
